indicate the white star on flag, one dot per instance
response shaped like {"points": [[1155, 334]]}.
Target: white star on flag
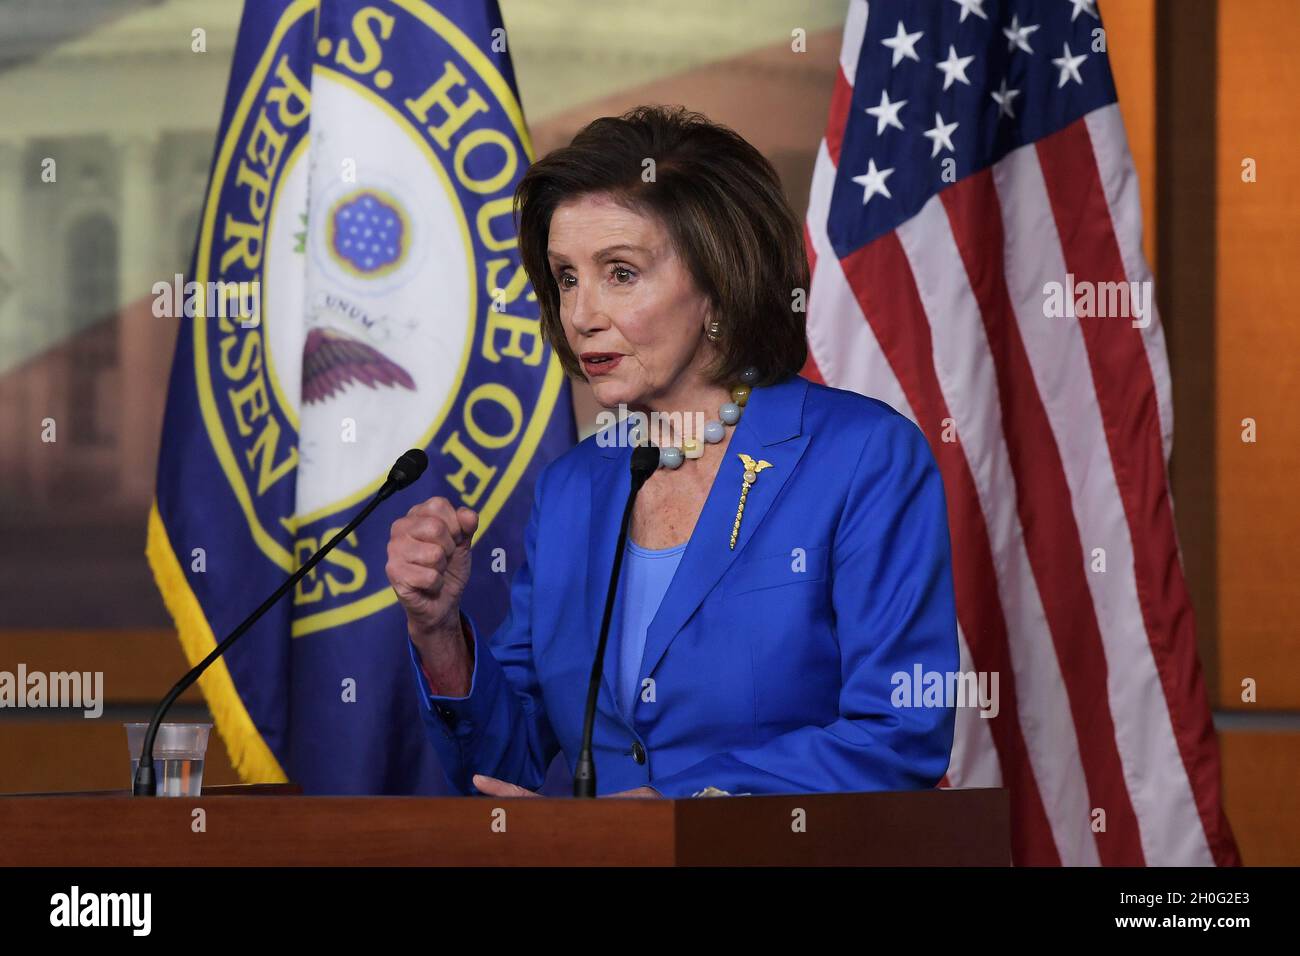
{"points": [[1017, 35], [1083, 6], [903, 44], [1003, 98], [941, 135], [1069, 66], [954, 68], [970, 6], [886, 113], [873, 181]]}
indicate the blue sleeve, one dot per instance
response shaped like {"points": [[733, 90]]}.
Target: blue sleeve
{"points": [[499, 728], [894, 609]]}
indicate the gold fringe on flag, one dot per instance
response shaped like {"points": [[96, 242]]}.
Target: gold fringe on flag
{"points": [[249, 753]]}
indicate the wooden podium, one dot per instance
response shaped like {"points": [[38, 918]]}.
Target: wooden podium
{"points": [[270, 826]]}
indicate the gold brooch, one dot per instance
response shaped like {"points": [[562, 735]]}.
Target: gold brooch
{"points": [[752, 468]]}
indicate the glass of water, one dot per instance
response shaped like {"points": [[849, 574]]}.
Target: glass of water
{"points": [[178, 752]]}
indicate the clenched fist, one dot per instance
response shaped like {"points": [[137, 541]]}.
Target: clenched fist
{"points": [[428, 567]]}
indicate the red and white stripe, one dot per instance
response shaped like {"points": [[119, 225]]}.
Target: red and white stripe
{"points": [[1063, 432]]}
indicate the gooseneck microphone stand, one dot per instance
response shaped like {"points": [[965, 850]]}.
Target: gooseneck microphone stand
{"points": [[645, 459], [404, 472]]}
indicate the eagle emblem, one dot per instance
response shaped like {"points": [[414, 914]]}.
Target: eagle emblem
{"points": [[331, 361]]}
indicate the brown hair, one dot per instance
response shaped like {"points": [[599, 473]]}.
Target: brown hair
{"points": [[721, 202]]}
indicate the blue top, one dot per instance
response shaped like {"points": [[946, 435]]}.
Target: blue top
{"points": [[643, 581]]}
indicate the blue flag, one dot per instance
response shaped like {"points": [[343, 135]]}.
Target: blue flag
{"points": [[356, 290]]}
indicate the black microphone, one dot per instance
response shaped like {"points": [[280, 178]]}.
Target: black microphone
{"points": [[645, 459], [403, 473]]}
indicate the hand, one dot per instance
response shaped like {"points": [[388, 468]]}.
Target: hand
{"points": [[429, 563], [492, 787]]}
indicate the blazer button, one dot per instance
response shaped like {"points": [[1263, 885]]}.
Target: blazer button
{"points": [[638, 752]]}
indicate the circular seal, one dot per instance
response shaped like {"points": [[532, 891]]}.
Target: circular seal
{"points": [[362, 198]]}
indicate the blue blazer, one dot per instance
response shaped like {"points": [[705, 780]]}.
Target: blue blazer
{"points": [[776, 667]]}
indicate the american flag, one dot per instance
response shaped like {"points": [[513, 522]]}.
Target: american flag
{"points": [[975, 162]]}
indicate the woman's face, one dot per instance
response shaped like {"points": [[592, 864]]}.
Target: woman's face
{"points": [[629, 307]]}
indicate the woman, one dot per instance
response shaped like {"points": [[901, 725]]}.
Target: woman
{"points": [[757, 640]]}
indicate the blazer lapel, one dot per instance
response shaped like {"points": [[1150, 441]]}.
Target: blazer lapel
{"points": [[770, 429]]}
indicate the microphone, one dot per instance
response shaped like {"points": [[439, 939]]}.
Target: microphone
{"points": [[405, 470], [645, 459], [403, 473]]}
